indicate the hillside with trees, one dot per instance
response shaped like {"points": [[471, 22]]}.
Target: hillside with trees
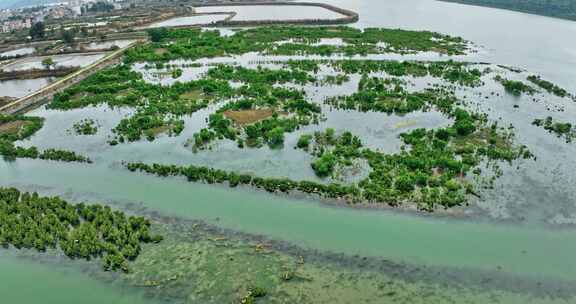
{"points": [[565, 9]]}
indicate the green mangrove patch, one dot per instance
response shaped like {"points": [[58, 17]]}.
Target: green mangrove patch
{"points": [[85, 127], [80, 231], [291, 40], [514, 87], [561, 129], [18, 127]]}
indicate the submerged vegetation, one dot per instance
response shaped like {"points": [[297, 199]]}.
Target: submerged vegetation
{"points": [[80, 231]]}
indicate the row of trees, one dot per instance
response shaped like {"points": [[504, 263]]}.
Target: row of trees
{"points": [[30, 221]]}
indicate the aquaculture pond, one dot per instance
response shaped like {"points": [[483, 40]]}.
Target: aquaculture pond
{"points": [[273, 12], [77, 60], [189, 21], [316, 165], [17, 52], [22, 87], [108, 44]]}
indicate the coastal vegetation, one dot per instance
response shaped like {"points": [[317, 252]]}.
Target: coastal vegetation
{"points": [[514, 87], [85, 127], [430, 170], [157, 107], [257, 106], [29, 221], [561, 129], [548, 86], [296, 40], [17, 127]]}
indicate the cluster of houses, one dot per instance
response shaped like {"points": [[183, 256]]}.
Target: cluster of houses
{"points": [[15, 20]]}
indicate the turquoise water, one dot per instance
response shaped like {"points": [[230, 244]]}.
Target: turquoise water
{"points": [[529, 250], [26, 281], [400, 237]]}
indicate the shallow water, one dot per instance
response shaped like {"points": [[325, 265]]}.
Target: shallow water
{"points": [[420, 240], [28, 281], [531, 198], [539, 44]]}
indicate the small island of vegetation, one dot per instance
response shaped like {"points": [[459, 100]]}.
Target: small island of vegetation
{"points": [[561, 129], [81, 231], [18, 127]]}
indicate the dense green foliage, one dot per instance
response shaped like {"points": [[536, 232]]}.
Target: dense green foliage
{"points": [[30, 126], [10, 152], [289, 107], [159, 109], [80, 231], [195, 44], [85, 127], [156, 106], [430, 170], [259, 106], [389, 96], [37, 31], [548, 86], [514, 87], [561, 129], [212, 176], [460, 73], [565, 9]]}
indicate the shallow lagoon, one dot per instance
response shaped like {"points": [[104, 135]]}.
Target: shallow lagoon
{"points": [[531, 199]]}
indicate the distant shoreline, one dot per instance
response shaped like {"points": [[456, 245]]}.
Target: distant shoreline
{"points": [[559, 14]]}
